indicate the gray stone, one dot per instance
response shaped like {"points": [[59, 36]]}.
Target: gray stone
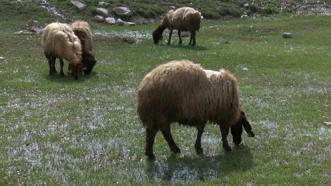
{"points": [[119, 21], [2, 58], [102, 11], [122, 11], [287, 35], [78, 4], [99, 18], [110, 20], [103, 4]]}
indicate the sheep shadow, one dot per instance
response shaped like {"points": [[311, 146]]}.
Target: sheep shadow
{"points": [[190, 169], [58, 78], [184, 46]]}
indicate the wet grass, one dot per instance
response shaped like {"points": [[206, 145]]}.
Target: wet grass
{"points": [[55, 130]]}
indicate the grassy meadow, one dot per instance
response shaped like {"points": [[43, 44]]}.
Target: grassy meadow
{"points": [[59, 131]]}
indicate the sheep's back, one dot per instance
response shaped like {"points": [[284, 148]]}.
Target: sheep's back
{"points": [[83, 31], [184, 92], [59, 40], [173, 92], [186, 19]]}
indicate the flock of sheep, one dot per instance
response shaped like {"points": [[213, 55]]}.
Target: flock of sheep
{"points": [[178, 91]]}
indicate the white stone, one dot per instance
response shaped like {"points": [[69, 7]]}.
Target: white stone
{"points": [[99, 18], [122, 11], [79, 5], [103, 4], [110, 20], [102, 11]]}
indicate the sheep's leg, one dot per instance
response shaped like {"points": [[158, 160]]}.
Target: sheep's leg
{"points": [[170, 34], [167, 136], [197, 145], [180, 37], [225, 132], [52, 65], [236, 131], [61, 65], [190, 39], [150, 136], [193, 38]]}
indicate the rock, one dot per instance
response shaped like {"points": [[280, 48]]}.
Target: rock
{"points": [[130, 23], [244, 16], [246, 5], [122, 11], [99, 18], [287, 35], [172, 7], [32, 26], [119, 21], [245, 69], [101, 11], [103, 4], [110, 20], [78, 4], [2, 58], [140, 20]]}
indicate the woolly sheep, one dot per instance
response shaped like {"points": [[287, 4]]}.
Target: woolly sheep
{"points": [[59, 41], [83, 31], [182, 19], [183, 92]]}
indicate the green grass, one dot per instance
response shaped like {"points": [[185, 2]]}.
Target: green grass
{"points": [[56, 130]]}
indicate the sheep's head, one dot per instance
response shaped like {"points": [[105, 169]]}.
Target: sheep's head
{"points": [[88, 61], [237, 129], [157, 34]]}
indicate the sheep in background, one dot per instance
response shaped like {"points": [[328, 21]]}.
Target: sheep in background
{"points": [[182, 19], [183, 92], [59, 41], [83, 31]]}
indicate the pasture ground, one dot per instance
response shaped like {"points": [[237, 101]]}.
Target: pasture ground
{"points": [[56, 130]]}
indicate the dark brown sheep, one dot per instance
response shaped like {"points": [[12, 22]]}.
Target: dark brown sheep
{"points": [[183, 92], [182, 19], [83, 32]]}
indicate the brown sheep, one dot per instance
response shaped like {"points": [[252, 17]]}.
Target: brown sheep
{"points": [[59, 41], [183, 92], [83, 32], [182, 19]]}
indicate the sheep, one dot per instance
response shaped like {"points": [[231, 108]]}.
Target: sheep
{"points": [[83, 32], [59, 41], [182, 19], [183, 92]]}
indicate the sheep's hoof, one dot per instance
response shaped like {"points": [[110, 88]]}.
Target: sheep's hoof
{"points": [[175, 150], [227, 148], [52, 72], [150, 157], [199, 151], [250, 134]]}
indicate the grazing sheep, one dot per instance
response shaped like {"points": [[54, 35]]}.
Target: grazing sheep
{"points": [[183, 92], [59, 41], [182, 19], [83, 32]]}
